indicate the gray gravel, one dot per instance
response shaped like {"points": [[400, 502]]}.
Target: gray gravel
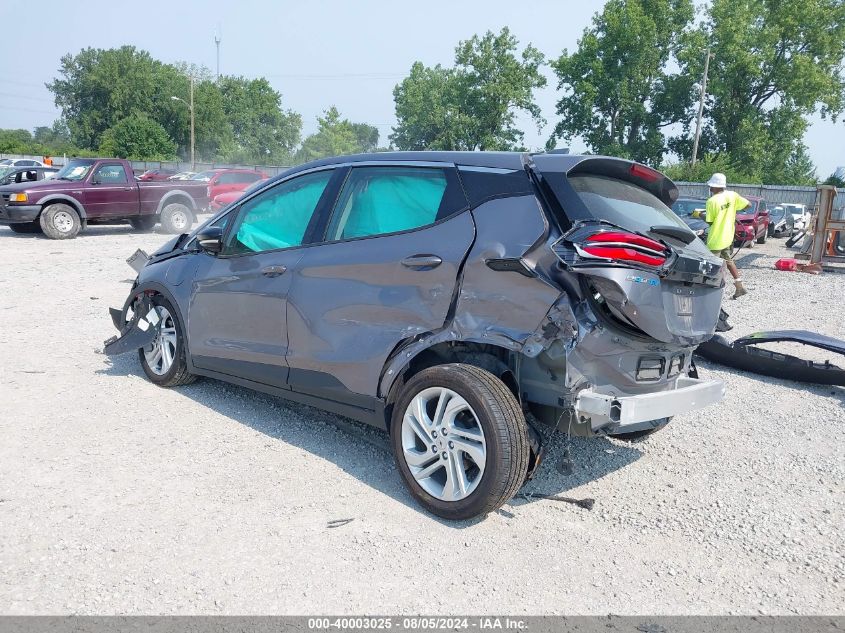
{"points": [[120, 497]]}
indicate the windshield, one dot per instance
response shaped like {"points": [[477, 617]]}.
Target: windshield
{"points": [[777, 213], [623, 203], [5, 170], [75, 169], [204, 176], [685, 208]]}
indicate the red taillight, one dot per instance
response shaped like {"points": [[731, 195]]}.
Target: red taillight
{"points": [[645, 173], [626, 247]]}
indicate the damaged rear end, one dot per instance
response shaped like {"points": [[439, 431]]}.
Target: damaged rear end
{"points": [[644, 293]]}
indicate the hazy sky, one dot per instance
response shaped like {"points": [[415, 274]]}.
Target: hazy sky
{"points": [[316, 53]]}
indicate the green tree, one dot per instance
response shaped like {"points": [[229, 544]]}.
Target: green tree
{"points": [[473, 105], [367, 136], [335, 137], [617, 92], [836, 181], [707, 166], [137, 137], [774, 63], [262, 130]]}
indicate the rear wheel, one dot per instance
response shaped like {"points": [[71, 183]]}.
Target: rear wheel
{"points": [[60, 222], [26, 227], [164, 359], [460, 441], [176, 218], [144, 222]]}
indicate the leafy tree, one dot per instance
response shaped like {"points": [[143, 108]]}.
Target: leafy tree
{"points": [[775, 62], [707, 166], [836, 181], [335, 137], [617, 93], [261, 130], [473, 105], [98, 88], [137, 137], [367, 136]]}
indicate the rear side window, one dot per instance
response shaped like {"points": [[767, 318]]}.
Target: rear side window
{"points": [[380, 200], [622, 203], [111, 174], [279, 217]]}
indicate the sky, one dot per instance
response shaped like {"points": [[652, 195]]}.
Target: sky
{"points": [[317, 53]]}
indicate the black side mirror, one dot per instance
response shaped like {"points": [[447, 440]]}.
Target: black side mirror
{"points": [[211, 240], [95, 181]]}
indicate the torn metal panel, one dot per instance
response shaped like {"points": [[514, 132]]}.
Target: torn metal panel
{"points": [[139, 331], [497, 305]]}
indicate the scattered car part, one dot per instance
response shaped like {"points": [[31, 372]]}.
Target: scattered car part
{"points": [[744, 354]]}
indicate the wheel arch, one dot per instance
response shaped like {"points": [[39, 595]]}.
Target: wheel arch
{"points": [[177, 196], [157, 288], [77, 206], [490, 357]]}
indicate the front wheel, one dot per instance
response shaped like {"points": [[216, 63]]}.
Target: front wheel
{"points": [[460, 441], [176, 218], [60, 222], [163, 360], [762, 238]]}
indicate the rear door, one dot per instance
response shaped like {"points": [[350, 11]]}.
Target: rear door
{"points": [[110, 192], [387, 270], [238, 305]]}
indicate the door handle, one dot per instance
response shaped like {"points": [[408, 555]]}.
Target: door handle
{"points": [[422, 261], [273, 271], [127, 188]]}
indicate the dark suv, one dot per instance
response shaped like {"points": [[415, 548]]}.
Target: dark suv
{"points": [[440, 296]]}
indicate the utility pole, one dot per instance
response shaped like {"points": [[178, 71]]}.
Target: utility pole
{"points": [[217, 43], [701, 107], [190, 105], [191, 108]]}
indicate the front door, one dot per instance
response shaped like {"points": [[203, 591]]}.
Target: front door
{"points": [[386, 272], [111, 192], [237, 312]]}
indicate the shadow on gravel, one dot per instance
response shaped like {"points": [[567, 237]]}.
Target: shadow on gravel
{"points": [[593, 458], [747, 260]]}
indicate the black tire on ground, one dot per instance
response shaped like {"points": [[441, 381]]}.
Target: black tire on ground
{"points": [[762, 238], [178, 373], [60, 222], [26, 227], [505, 432], [176, 218], [144, 222]]}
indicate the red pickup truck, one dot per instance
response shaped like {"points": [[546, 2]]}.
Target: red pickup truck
{"points": [[99, 191]]}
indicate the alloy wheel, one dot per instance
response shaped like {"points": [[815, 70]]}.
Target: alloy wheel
{"points": [[161, 353], [443, 444]]}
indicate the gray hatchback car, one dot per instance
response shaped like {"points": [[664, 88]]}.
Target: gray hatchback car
{"points": [[441, 296]]}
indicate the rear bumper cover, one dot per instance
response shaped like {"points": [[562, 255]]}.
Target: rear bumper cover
{"points": [[627, 414], [19, 213]]}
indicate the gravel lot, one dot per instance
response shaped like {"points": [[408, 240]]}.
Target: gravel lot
{"points": [[120, 497]]}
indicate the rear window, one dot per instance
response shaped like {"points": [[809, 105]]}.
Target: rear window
{"points": [[622, 203]]}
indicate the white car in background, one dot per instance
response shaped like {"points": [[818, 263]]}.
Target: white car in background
{"points": [[20, 162], [799, 214]]}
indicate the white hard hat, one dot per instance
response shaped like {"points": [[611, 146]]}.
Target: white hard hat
{"points": [[717, 181]]}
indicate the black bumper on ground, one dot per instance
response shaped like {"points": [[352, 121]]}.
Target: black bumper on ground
{"points": [[17, 213]]}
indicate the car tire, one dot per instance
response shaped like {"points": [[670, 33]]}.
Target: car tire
{"points": [[176, 218], [26, 227], [144, 222], [164, 360], [762, 238], [483, 423], [60, 222]]}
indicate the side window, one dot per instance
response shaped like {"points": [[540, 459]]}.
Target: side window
{"points": [[110, 174], [278, 217], [242, 177], [379, 200]]}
